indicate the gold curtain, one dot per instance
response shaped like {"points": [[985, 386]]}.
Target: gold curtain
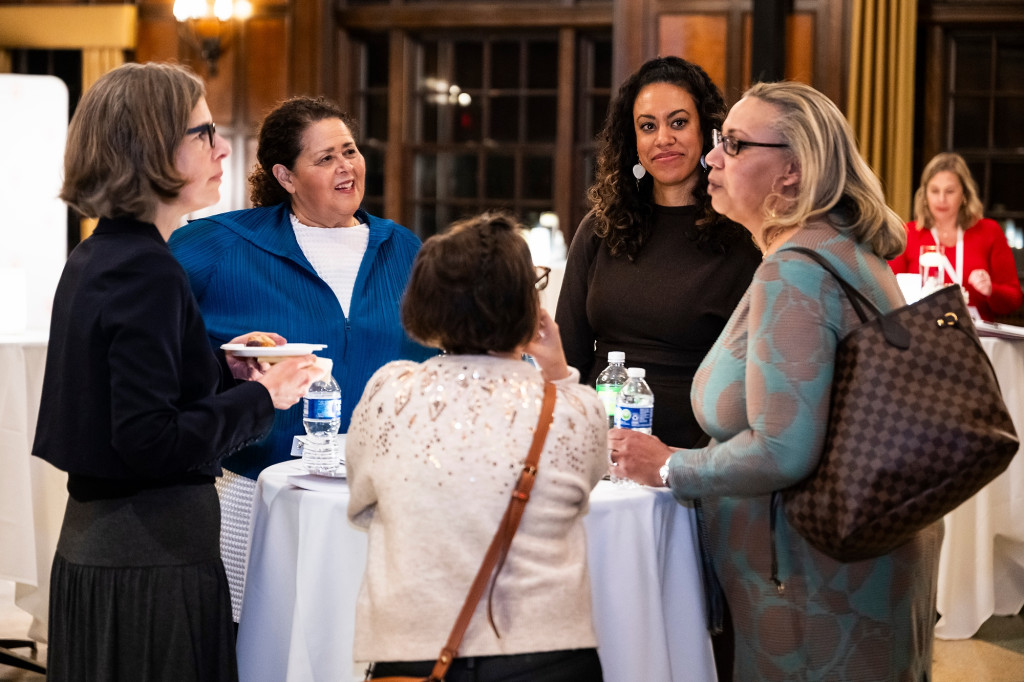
{"points": [[881, 93], [96, 61]]}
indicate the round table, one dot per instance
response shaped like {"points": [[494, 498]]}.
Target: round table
{"points": [[306, 564]]}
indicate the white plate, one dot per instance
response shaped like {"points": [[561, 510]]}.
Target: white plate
{"points": [[287, 350]]}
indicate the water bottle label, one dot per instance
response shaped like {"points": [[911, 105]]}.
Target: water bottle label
{"points": [[634, 417], [608, 393], [322, 408]]}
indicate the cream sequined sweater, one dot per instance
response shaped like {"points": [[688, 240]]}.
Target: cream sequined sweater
{"points": [[433, 454]]}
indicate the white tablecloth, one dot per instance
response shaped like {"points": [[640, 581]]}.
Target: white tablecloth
{"points": [[981, 566], [306, 564], [32, 493]]}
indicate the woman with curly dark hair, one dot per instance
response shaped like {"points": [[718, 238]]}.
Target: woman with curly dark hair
{"points": [[652, 270]]}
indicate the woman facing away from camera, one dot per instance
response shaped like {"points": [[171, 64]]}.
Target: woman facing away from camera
{"points": [[434, 452], [789, 171], [652, 270], [309, 263], [136, 407], [947, 213]]}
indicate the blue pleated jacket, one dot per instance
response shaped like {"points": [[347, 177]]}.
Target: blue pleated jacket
{"points": [[248, 273]]}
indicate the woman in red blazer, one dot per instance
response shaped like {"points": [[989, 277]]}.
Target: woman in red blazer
{"points": [[947, 212]]}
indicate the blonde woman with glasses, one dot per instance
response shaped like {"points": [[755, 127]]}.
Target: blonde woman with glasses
{"points": [[787, 168]]}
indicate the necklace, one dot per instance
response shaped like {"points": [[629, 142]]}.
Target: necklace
{"points": [[947, 237]]}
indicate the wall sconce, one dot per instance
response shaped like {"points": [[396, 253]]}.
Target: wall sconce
{"points": [[204, 24]]}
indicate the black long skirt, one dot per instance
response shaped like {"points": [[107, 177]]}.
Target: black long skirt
{"points": [[138, 590]]}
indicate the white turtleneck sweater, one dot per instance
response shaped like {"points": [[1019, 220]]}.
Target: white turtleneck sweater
{"points": [[335, 253]]}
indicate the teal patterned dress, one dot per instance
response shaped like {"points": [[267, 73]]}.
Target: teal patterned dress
{"points": [[762, 393]]}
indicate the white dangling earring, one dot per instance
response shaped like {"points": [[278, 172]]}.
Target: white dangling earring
{"points": [[639, 171]]}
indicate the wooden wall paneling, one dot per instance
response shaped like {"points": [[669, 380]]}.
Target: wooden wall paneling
{"points": [[700, 38], [967, 12], [933, 115], [817, 44], [800, 47], [311, 41], [832, 49], [158, 38], [521, 14], [800, 44], [162, 39], [345, 56], [222, 89], [265, 68], [564, 191], [396, 159], [634, 38]]}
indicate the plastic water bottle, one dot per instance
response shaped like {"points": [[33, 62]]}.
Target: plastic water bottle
{"points": [[610, 381], [321, 417], [634, 408]]}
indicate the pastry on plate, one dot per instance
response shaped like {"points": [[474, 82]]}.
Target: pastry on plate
{"points": [[260, 340]]}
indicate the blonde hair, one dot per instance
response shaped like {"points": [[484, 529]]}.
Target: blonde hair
{"points": [[970, 210], [835, 181], [119, 157]]}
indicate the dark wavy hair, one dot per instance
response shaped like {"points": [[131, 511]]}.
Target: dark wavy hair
{"points": [[621, 206], [471, 289], [280, 142]]}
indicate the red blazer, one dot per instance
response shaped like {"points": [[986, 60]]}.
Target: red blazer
{"points": [[985, 248]]}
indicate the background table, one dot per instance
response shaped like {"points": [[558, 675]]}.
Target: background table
{"points": [[306, 564], [32, 492], [981, 565]]}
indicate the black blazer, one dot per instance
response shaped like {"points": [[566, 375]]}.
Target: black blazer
{"points": [[132, 390]]}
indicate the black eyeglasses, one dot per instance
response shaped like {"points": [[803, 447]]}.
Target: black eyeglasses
{"points": [[209, 128], [733, 147], [543, 274]]}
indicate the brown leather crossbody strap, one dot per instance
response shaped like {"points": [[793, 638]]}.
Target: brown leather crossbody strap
{"points": [[502, 538]]}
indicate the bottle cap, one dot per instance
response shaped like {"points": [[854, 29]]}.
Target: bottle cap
{"points": [[616, 356], [636, 372]]}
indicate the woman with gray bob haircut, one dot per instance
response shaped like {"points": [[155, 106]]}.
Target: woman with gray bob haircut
{"points": [[136, 407]]}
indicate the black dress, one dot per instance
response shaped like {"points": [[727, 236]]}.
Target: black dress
{"points": [[136, 408], [665, 309]]}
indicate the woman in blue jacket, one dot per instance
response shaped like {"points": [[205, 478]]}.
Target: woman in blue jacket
{"points": [[308, 263]]}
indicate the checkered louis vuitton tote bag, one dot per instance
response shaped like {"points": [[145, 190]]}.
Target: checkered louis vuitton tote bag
{"points": [[917, 425]]}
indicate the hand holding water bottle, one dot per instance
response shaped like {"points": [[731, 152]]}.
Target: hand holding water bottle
{"points": [[321, 417], [288, 380], [637, 456]]}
